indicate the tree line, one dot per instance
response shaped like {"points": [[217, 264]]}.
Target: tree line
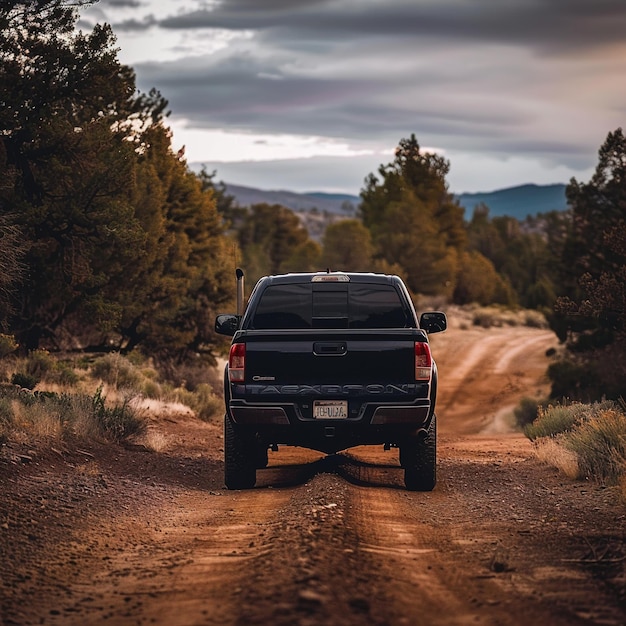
{"points": [[108, 240]]}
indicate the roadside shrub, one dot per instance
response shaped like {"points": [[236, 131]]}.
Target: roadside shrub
{"points": [[117, 371], [4, 370], [8, 345], [41, 416], [39, 363], [65, 375], [498, 317], [553, 420], [40, 367], [192, 375], [155, 441], [202, 401], [535, 319], [583, 440], [563, 418], [526, 412], [151, 389], [486, 318], [22, 379], [49, 415], [554, 452], [118, 422], [600, 445], [574, 380]]}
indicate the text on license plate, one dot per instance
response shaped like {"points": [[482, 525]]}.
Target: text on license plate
{"points": [[330, 409]]}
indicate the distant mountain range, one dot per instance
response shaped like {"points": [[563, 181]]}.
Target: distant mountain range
{"points": [[330, 202], [517, 202]]}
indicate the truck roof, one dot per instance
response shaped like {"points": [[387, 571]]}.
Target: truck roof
{"points": [[354, 277]]}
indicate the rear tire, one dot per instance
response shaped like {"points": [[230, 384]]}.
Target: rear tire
{"points": [[240, 456], [418, 457]]}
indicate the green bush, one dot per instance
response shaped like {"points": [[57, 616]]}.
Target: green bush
{"points": [[535, 319], [151, 389], [526, 412], [65, 374], [22, 379], [499, 316], [117, 371], [600, 445], [46, 414], [8, 345], [118, 422], [573, 380], [202, 401], [39, 363], [563, 418], [595, 433]]}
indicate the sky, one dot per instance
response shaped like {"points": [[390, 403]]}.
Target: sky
{"points": [[314, 95]]}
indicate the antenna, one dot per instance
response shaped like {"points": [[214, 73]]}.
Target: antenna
{"points": [[240, 290]]}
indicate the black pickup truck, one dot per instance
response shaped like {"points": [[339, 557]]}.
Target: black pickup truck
{"points": [[328, 361]]}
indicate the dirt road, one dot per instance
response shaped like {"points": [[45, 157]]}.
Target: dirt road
{"points": [[131, 536]]}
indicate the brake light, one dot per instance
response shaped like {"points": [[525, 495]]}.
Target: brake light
{"points": [[423, 361], [237, 363]]}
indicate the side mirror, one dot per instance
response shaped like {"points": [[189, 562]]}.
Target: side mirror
{"points": [[433, 321], [227, 324]]}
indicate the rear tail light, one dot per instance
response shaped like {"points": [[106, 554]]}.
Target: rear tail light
{"points": [[423, 361], [237, 363]]}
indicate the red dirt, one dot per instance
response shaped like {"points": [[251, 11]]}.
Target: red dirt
{"points": [[125, 535]]}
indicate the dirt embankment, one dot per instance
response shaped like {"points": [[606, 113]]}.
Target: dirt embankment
{"points": [[104, 535]]}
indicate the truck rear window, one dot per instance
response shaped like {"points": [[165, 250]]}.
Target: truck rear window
{"points": [[330, 306]]}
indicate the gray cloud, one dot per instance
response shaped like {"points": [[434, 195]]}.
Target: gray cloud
{"points": [[540, 79], [135, 25], [551, 25], [120, 4]]}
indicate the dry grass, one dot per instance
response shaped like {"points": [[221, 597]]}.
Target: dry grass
{"points": [[106, 399], [621, 486], [553, 453], [155, 441], [38, 420], [471, 315], [584, 441], [202, 401], [494, 316], [600, 445]]}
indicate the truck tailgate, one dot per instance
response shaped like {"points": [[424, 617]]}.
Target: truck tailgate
{"points": [[331, 356]]}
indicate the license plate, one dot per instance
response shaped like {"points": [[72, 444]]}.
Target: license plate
{"points": [[330, 409]]}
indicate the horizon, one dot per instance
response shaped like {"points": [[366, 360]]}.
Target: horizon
{"points": [[357, 195]]}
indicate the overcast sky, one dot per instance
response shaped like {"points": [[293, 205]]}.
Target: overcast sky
{"points": [[313, 95]]}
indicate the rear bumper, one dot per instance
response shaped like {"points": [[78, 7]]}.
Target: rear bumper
{"points": [[244, 412], [377, 423]]}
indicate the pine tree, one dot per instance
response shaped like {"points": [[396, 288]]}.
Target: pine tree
{"points": [[413, 219]]}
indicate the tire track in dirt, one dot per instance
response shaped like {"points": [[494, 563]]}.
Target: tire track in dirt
{"points": [[182, 570], [485, 547], [483, 374]]}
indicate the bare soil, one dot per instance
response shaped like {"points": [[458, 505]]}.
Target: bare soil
{"points": [[95, 534]]}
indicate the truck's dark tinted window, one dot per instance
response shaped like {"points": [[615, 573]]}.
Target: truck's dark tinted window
{"points": [[330, 308], [376, 306], [361, 306], [284, 306]]}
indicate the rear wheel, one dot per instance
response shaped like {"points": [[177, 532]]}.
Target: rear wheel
{"points": [[418, 457], [240, 458]]}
